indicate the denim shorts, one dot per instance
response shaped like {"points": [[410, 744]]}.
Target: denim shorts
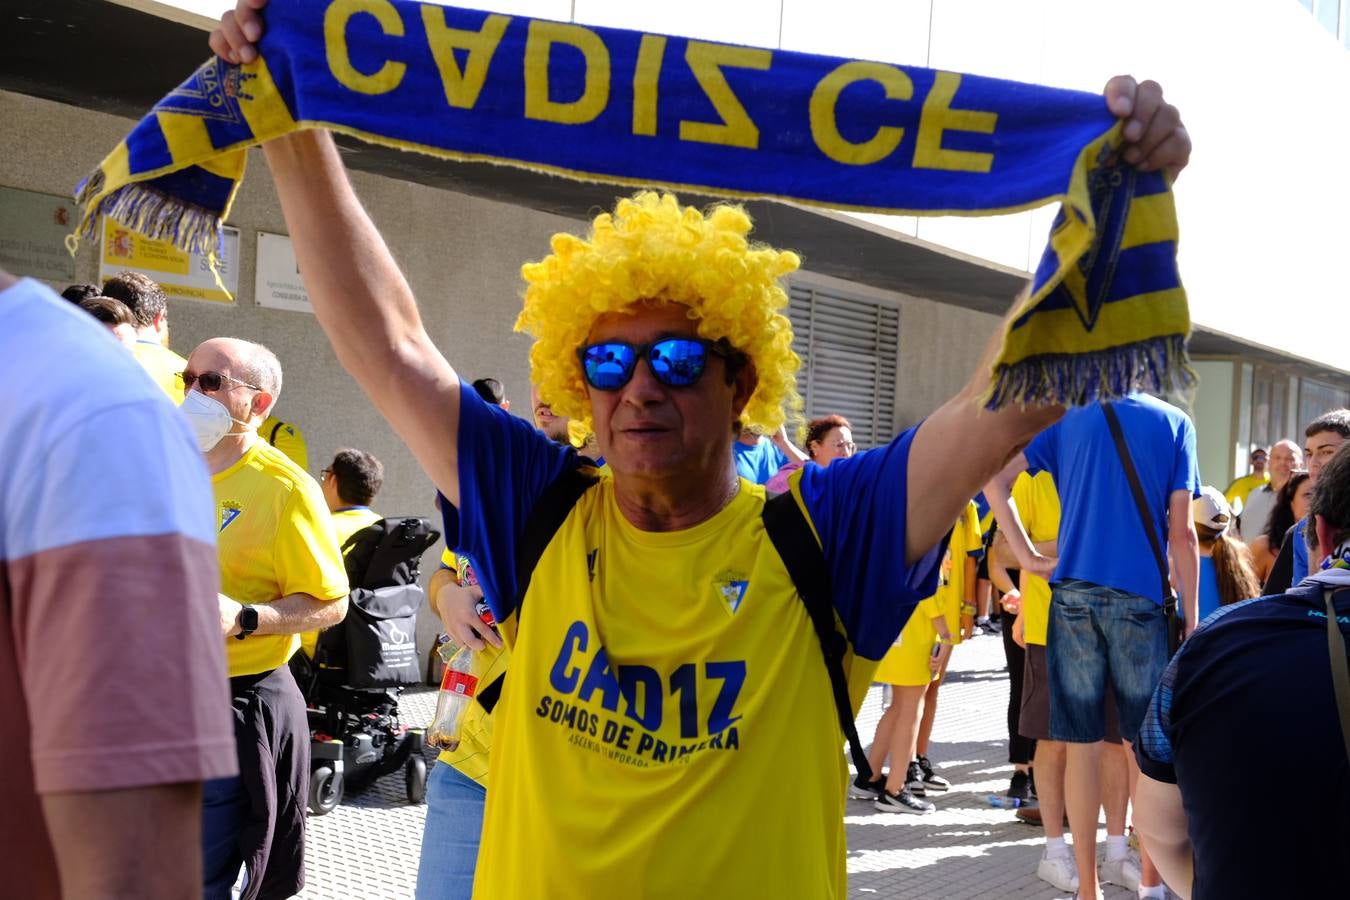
{"points": [[1101, 636], [451, 835]]}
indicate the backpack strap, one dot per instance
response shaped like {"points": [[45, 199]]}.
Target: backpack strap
{"points": [[548, 515], [1141, 504], [796, 544], [1340, 667]]}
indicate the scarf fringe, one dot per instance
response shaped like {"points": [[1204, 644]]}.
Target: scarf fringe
{"points": [[1158, 366], [153, 213]]}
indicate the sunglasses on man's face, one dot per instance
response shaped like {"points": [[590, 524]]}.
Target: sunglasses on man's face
{"points": [[210, 382], [675, 362]]}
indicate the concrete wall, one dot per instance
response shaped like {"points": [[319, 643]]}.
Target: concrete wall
{"points": [[461, 256], [1212, 411]]}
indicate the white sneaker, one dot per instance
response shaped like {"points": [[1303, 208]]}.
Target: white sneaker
{"points": [[1059, 871], [1124, 871]]}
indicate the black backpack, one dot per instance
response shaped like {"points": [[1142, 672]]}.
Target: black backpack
{"points": [[792, 537], [376, 644]]}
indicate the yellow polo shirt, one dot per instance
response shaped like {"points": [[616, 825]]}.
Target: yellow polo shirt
{"points": [[274, 538]]}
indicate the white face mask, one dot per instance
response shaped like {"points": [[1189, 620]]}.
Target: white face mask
{"points": [[209, 418]]}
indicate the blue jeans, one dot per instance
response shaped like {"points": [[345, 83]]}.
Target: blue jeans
{"points": [[1099, 635], [224, 805], [451, 835]]}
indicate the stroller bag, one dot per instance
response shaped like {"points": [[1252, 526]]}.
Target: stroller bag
{"points": [[376, 645]]}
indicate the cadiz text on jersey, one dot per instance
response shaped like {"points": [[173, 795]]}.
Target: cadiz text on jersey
{"points": [[582, 674]]}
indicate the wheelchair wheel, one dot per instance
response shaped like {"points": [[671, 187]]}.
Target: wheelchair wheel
{"points": [[325, 790], [415, 776]]}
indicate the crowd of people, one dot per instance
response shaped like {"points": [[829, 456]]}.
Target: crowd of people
{"points": [[684, 606]]}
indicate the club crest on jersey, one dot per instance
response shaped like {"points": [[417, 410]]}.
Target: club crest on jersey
{"points": [[229, 511], [731, 587]]}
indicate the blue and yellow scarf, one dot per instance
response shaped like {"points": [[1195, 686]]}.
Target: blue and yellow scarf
{"points": [[1106, 313]]}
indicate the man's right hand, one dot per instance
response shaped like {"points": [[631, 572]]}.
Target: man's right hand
{"points": [[240, 30], [455, 605]]}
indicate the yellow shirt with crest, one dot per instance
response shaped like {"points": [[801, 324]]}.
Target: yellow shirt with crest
{"points": [[274, 538], [701, 716]]}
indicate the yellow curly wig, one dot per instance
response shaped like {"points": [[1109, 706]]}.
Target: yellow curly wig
{"points": [[652, 249]]}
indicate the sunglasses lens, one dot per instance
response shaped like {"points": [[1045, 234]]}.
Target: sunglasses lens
{"points": [[608, 366], [210, 381], [678, 362]]}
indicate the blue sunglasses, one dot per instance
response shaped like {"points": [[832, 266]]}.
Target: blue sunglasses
{"points": [[675, 362]]}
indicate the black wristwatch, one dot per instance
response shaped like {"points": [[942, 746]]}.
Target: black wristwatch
{"points": [[248, 622]]}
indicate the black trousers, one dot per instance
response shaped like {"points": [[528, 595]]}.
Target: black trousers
{"points": [[1020, 749]]}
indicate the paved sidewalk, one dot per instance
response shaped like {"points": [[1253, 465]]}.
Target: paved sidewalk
{"points": [[368, 847]]}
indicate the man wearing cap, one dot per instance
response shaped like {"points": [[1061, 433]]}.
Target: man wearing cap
{"points": [[666, 716], [1238, 491]]}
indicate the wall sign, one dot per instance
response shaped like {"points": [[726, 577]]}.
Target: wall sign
{"points": [[33, 230], [185, 276], [278, 284]]}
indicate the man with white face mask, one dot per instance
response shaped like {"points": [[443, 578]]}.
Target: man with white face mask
{"points": [[281, 573]]}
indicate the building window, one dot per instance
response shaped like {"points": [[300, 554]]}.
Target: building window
{"points": [[1270, 394], [1315, 398], [850, 351]]}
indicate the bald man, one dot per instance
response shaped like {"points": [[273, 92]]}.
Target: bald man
{"points": [[281, 573], [1286, 457]]}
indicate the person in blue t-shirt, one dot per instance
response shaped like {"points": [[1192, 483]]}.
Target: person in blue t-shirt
{"points": [[1108, 627], [758, 458], [1324, 435], [1252, 683]]}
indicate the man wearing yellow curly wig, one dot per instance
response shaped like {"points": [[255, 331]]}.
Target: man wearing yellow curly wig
{"points": [[667, 727]]}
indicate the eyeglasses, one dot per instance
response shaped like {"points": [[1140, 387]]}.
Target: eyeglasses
{"points": [[211, 381], [675, 362], [846, 446], [324, 473]]}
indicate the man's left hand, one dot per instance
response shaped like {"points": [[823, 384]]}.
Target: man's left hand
{"points": [[1154, 136], [229, 616]]}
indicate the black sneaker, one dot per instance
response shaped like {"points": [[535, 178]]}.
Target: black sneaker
{"points": [[903, 802], [989, 627], [914, 780], [867, 790], [931, 781], [1020, 786]]}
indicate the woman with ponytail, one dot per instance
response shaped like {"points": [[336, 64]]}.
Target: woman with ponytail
{"points": [[1226, 571]]}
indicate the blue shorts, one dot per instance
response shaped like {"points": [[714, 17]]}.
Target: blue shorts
{"points": [[451, 835], [1100, 636]]}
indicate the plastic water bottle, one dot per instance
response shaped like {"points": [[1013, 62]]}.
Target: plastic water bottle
{"points": [[999, 801], [458, 686]]}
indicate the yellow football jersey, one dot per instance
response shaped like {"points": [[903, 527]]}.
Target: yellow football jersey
{"points": [[1038, 506], [346, 522], [274, 537], [163, 365], [697, 729], [287, 438]]}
